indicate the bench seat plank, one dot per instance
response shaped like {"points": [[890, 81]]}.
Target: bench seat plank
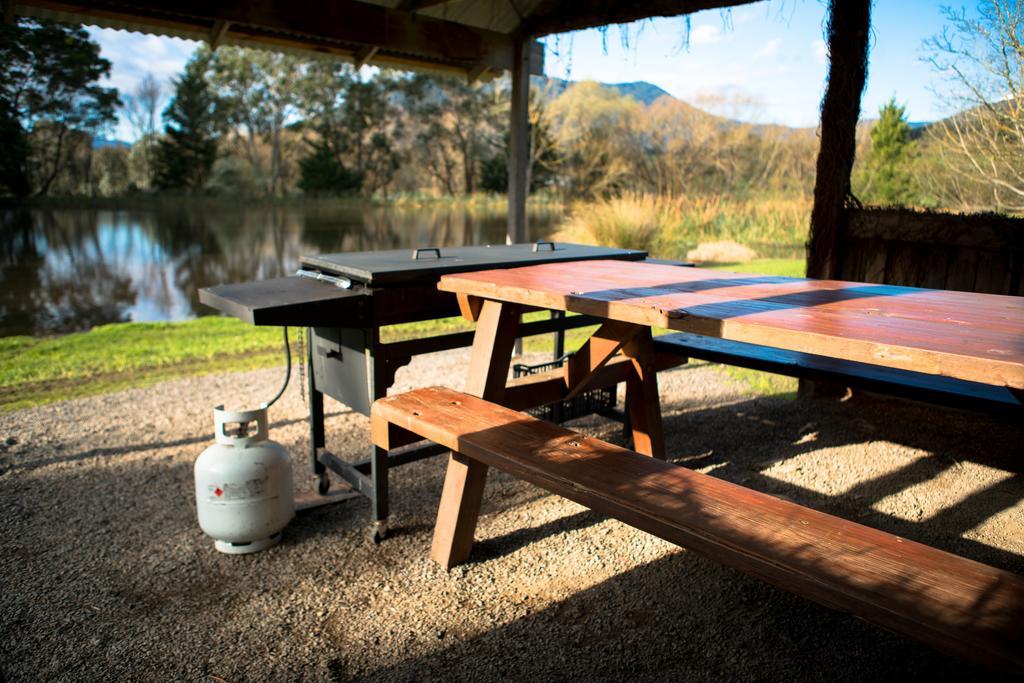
{"points": [[951, 603], [947, 391]]}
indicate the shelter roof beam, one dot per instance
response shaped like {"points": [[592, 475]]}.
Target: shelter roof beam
{"points": [[417, 5], [339, 27]]}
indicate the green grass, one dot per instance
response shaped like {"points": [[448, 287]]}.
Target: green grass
{"points": [[768, 266], [34, 370], [111, 357]]}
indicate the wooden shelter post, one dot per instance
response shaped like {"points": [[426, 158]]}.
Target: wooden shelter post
{"points": [[849, 25], [519, 141]]}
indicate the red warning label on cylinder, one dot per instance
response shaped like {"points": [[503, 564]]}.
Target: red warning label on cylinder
{"points": [[238, 490]]}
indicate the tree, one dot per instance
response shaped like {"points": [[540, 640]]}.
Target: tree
{"points": [[358, 121], [324, 174], [542, 158], [109, 174], [48, 90], [259, 94], [186, 154], [464, 127], [983, 142], [885, 178], [595, 133], [142, 109]]}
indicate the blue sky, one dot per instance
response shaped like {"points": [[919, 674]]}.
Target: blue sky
{"points": [[769, 56]]}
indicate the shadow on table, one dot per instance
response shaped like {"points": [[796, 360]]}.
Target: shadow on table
{"points": [[598, 302]]}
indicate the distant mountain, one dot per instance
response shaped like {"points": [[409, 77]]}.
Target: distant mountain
{"points": [[917, 128], [99, 143], [641, 91], [646, 93]]}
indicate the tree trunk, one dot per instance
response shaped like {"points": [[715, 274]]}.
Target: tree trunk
{"points": [[849, 26], [467, 170], [56, 164]]}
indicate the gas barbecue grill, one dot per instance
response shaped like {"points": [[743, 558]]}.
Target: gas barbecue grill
{"points": [[344, 299]]}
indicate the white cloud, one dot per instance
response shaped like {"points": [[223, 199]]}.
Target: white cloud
{"points": [[133, 55], [706, 34], [820, 54], [769, 49]]}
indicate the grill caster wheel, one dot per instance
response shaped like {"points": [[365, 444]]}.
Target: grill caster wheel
{"points": [[324, 485], [378, 531]]}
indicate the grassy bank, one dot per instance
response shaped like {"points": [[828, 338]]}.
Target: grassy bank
{"points": [[669, 227], [113, 357]]}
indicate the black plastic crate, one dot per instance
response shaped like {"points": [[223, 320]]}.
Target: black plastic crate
{"points": [[587, 403]]}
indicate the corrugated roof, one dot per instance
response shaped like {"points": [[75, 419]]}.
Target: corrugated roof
{"points": [[466, 36]]}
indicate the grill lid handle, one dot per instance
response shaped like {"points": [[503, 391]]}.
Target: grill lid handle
{"points": [[541, 243], [416, 252]]}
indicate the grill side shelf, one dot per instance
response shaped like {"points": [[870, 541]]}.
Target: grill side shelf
{"points": [[294, 301]]}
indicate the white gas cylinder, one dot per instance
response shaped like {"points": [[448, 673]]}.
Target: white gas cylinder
{"points": [[244, 495]]}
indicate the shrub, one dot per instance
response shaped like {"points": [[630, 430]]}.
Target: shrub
{"points": [[671, 226], [629, 222]]}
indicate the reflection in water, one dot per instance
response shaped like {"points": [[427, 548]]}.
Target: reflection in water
{"points": [[64, 268]]}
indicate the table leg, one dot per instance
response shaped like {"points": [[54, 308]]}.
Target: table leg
{"points": [[559, 349], [595, 353], [464, 480], [642, 402]]}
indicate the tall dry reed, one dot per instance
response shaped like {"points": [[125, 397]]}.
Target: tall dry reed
{"points": [[669, 226]]}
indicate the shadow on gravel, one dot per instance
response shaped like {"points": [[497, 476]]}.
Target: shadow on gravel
{"points": [[499, 546], [762, 433], [645, 625], [137, 570], [766, 431]]}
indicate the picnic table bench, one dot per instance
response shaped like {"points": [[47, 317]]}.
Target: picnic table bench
{"points": [[917, 386], [949, 602]]}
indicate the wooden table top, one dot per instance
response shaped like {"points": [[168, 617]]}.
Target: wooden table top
{"points": [[977, 337]]}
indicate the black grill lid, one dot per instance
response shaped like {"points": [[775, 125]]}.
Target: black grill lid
{"points": [[399, 266]]}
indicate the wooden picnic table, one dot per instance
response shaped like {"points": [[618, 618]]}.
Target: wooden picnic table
{"points": [[951, 603], [962, 335]]}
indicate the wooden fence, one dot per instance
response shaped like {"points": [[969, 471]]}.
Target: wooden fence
{"points": [[970, 253]]}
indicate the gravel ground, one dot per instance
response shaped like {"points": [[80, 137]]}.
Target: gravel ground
{"points": [[106, 575]]}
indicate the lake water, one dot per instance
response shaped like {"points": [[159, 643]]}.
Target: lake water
{"points": [[65, 267]]}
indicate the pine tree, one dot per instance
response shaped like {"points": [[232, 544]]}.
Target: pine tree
{"points": [[324, 174], [890, 181], [185, 156]]}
